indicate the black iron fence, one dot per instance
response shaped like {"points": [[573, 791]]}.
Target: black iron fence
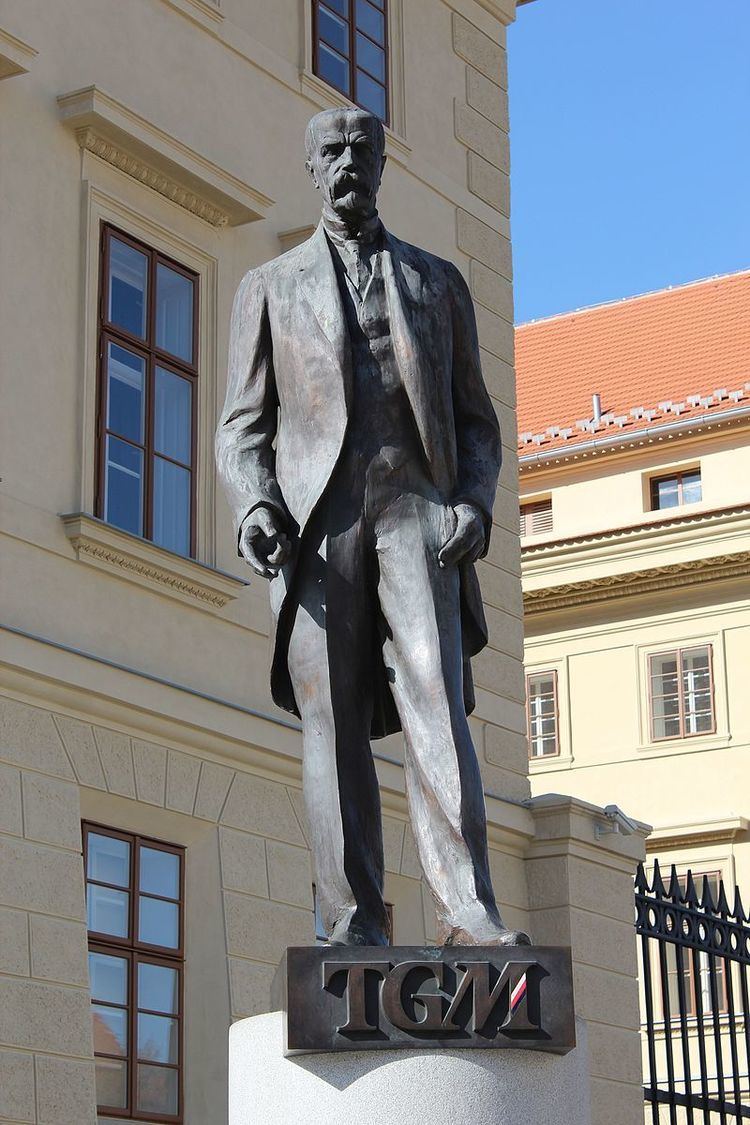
{"points": [[695, 953]]}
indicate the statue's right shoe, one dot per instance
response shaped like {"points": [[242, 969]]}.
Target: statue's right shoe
{"points": [[357, 935]]}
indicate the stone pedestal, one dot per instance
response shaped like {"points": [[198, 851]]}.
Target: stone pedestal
{"points": [[401, 1087]]}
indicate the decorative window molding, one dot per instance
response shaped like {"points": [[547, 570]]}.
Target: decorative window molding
{"points": [[137, 560], [103, 208], [118, 135], [697, 833], [135, 899], [326, 96], [719, 735], [15, 56], [681, 703], [557, 671]]}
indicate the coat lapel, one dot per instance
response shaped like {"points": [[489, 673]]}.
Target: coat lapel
{"points": [[404, 288], [316, 277]]}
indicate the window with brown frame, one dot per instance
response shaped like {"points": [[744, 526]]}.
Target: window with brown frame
{"points": [[541, 714], [536, 518], [350, 50], [676, 489], [681, 693], [135, 911], [697, 979], [148, 356]]}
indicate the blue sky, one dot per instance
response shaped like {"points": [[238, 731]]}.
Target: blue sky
{"points": [[630, 147]]}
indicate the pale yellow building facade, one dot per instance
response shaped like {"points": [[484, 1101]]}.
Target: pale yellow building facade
{"points": [[635, 508], [151, 149]]}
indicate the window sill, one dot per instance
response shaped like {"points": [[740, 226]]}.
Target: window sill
{"points": [[551, 764], [139, 148], [685, 745], [136, 560]]}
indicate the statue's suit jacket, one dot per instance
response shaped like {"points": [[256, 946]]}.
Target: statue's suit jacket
{"points": [[288, 401]]}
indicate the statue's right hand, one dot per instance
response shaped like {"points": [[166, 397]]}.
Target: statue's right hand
{"points": [[263, 542]]}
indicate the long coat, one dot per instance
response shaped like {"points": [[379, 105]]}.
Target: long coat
{"points": [[288, 401]]}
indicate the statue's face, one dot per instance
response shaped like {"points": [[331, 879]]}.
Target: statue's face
{"points": [[346, 163]]}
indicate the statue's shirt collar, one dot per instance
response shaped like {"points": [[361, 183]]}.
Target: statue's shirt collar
{"points": [[367, 234]]}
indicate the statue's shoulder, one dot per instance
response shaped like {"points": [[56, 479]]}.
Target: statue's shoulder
{"points": [[423, 260], [268, 274]]}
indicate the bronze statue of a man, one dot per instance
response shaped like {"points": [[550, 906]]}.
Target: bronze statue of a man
{"points": [[360, 453]]}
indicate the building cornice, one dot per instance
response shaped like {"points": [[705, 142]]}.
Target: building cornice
{"points": [[139, 148], [697, 833], [635, 583], [15, 56], [137, 560], [643, 530]]}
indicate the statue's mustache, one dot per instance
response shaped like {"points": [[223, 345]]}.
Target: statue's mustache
{"points": [[346, 182]]}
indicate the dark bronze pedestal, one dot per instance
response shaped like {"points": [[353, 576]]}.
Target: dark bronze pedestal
{"points": [[354, 998]]}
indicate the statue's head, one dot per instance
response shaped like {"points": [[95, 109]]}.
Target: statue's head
{"points": [[345, 158]]}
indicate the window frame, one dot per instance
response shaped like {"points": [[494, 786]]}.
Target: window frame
{"points": [[678, 653], [152, 356], [137, 952], [352, 59], [544, 672], [677, 476]]}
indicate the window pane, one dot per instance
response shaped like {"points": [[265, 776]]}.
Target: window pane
{"points": [[107, 910], [691, 488], [158, 922], [171, 507], [108, 860], [340, 6], [157, 1089], [173, 416], [128, 282], [333, 68], [334, 30], [109, 978], [174, 312], [110, 1030], [123, 486], [111, 1083], [370, 94], [371, 21], [665, 493], [159, 872], [157, 1038], [369, 56], [157, 988], [126, 374]]}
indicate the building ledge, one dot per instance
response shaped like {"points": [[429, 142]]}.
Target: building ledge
{"points": [[697, 832], [15, 56], [140, 149], [136, 560], [688, 572]]}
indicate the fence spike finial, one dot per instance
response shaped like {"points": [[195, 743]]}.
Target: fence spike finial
{"points": [[641, 882], [690, 898], [657, 886], [675, 889], [707, 899], [739, 910], [722, 905]]}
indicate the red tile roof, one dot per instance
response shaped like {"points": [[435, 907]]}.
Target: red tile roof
{"points": [[661, 356]]}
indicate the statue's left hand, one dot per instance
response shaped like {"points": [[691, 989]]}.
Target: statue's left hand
{"points": [[467, 541]]}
